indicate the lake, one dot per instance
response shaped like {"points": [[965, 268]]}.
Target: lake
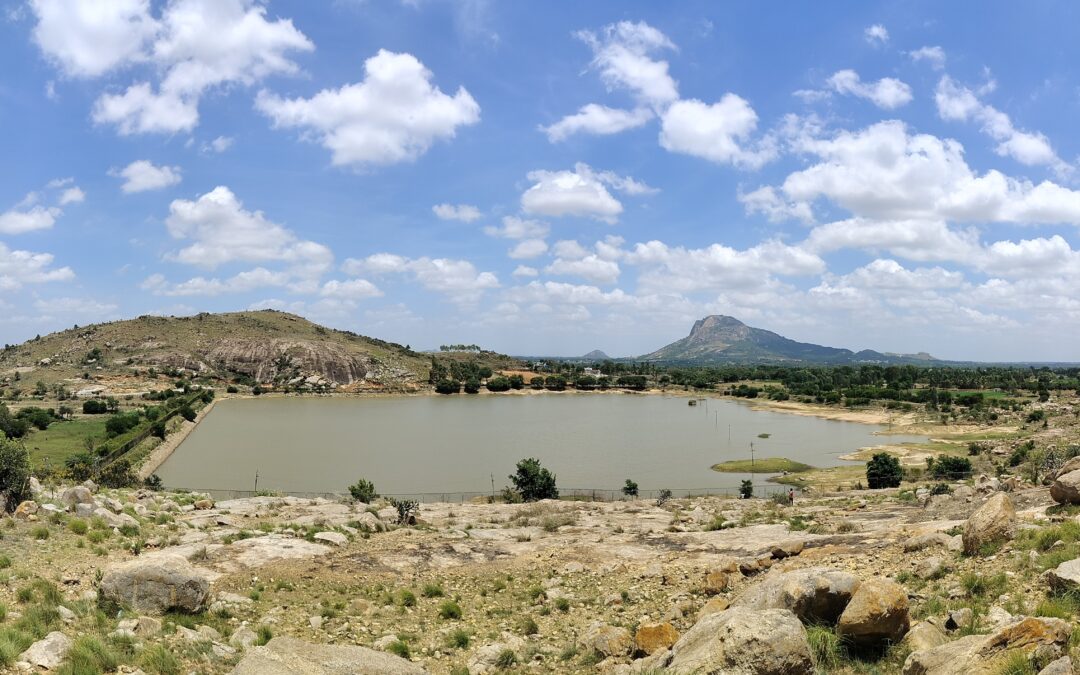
{"points": [[454, 444]]}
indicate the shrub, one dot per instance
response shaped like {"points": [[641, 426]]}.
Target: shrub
{"points": [[399, 648], [746, 489], [506, 659], [159, 660], [432, 591], [187, 413], [498, 384], [941, 489], [472, 386], [951, 468], [448, 387], [363, 491], [663, 497], [263, 635], [153, 482], [78, 526], [883, 471], [406, 510], [562, 604], [533, 482], [94, 407], [117, 475], [40, 533], [89, 655], [630, 489], [527, 626], [459, 638], [231, 389], [14, 474], [449, 610]]}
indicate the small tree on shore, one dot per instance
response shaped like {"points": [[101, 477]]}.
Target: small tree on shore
{"points": [[630, 489], [533, 482], [363, 491], [746, 489], [883, 471]]}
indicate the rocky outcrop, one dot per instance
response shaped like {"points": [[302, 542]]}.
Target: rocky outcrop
{"points": [[1066, 486], [289, 656], [814, 594], [984, 654], [741, 641], [994, 521], [876, 616], [76, 495], [156, 584]]}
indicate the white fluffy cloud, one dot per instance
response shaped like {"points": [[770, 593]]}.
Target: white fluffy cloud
{"points": [[597, 119], [394, 115], [528, 248], [719, 132], [24, 267], [876, 34], [514, 227], [466, 213], [887, 93], [222, 231], [883, 173], [31, 215], [88, 38], [956, 102], [143, 175], [194, 46], [457, 279], [581, 192], [933, 55], [353, 289], [590, 267], [623, 54]]}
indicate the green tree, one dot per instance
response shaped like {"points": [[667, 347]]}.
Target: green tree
{"points": [[533, 482], [630, 489], [14, 474], [363, 491], [883, 470], [187, 413], [472, 386], [951, 468], [746, 489], [448, 387]]}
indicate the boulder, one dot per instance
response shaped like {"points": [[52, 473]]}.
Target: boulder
{"points": [[924, 635], [79, 494], [26, 509], [85, 510], [287, 655], [741, 641], [243, 637], [654, 637], [1065, 577], [919, 542], [203, 504], [985, 654], [877, 614], [1066, 487], [713, 606], [335, 538], [370, 522], [114, 519], [1072, 464], [49, 652], [994, 521], [959, 618], [156, 584], [930, 568], [717, 581], [607, 640], [35, 487], [1062, 666], [787, 549], [814, 594]]}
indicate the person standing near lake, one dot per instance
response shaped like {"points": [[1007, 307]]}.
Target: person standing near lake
{"points": [[791, 496]]}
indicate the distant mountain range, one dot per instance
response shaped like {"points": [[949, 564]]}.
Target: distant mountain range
{"points": [[725, 339]]}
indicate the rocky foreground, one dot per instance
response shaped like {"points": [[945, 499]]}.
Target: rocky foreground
{"points": [[980, 580]]}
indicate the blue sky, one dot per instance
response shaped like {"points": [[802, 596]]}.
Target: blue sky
{"points": [[548, 178]]}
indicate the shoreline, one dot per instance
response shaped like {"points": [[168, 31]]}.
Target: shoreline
{"points": [[167, 447]]}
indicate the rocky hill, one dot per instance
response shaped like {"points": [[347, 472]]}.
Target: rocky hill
{"points": [[596, 355], [725, 339], [264, 347]]}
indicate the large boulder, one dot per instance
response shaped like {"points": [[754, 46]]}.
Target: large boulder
{"points": [[876, 616], [49, 652], [654, 637], [924, 635], [985, 654], [1065, 577], [1066, 487], [814, 594], [287, 655], [1069, 466], [994, 521], [80, 494], [607, 640], [921, 541], [156, 584], [26, 509], [741, 641]]}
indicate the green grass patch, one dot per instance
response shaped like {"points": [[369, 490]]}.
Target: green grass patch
{"points": [[763, 465], [64, 439]]}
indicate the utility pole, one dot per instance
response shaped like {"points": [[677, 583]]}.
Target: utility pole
{"points": [[256, 480], [493, 488], [751, 457]]}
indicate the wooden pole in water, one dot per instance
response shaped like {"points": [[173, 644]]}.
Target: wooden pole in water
{"points": [[256, 480]]}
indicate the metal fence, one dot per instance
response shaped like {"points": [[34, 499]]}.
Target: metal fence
{"points": [[765, 490]]}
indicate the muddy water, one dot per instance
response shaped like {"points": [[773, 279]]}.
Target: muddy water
{"points": [[450, 444]]}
